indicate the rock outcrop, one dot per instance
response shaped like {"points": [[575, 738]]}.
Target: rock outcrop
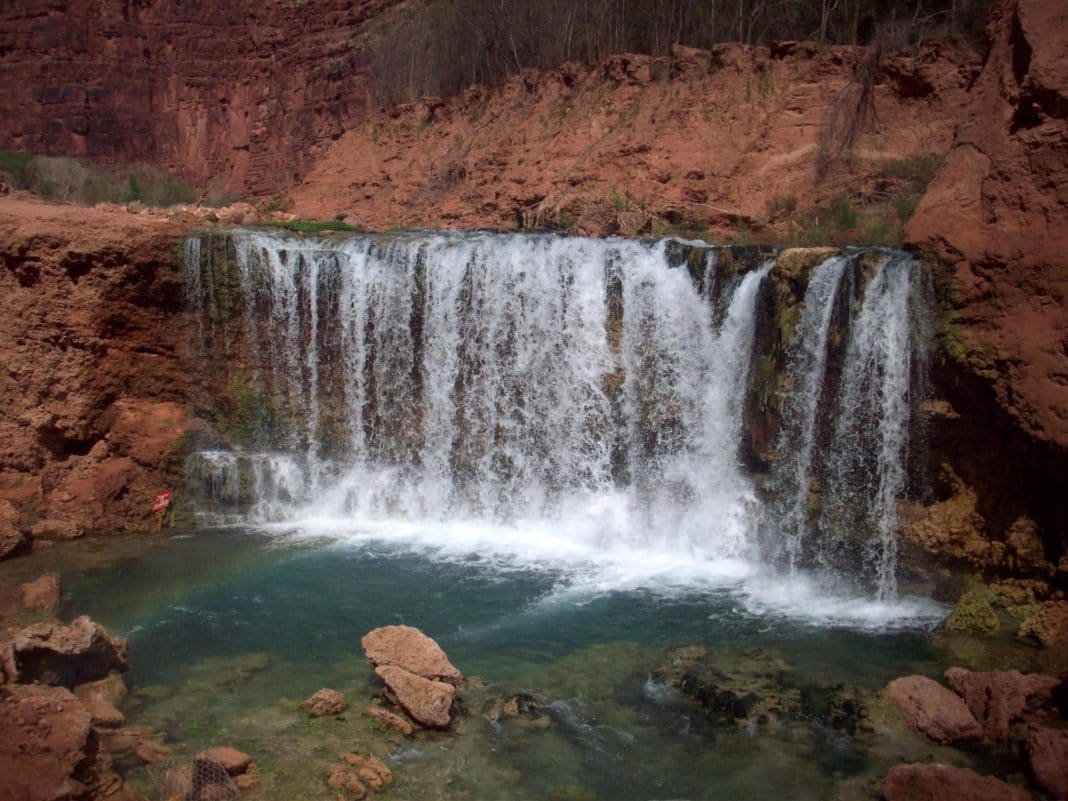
{"points": [[428, 702], [51, 653], [389, 720], [12, 538], [92, 395], [995, 215], [417, 674], [1048, 752], [49, 748], [1049, 625]]}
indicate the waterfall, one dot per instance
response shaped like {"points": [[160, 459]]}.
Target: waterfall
{"points": [[806, 369], [592, 394], [867, 462]]}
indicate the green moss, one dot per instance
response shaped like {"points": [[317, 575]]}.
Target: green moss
{"points": [[248, 417], [974, 613]]}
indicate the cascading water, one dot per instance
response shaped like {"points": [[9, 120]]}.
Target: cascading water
{"points": [[551, 400]]}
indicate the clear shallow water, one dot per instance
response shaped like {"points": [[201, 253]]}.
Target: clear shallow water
{"points": [[230, 628]]}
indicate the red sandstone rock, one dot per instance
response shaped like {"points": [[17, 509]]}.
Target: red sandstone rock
{"points": [[234, 762], [324, 703], [995, 212], [933, 710], [49, 750], [1048, 750], [57, 654], [427, 701], [999, 698], [93, 389], [1049, 625], [12, 540], [943, 783], [233, 94], [42, 593], [389, 720], [409, 648]]}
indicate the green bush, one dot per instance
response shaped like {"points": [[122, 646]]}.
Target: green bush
{"points": [[844, 214], [15, 165]]}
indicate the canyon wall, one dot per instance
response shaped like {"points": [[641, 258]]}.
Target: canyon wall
{"points": [[239, 96], [92, 391], [996, 217]]}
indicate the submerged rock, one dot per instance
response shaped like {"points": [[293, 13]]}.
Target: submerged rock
{"points": [[944, 783], [429, 702], [410, 649], [371, 771], [40, 594], [934, 710], [389, 720], [324, 703], [755, 687], [346, 780], [51, 653], [997, 698], [234, 762], [1048, 751]]}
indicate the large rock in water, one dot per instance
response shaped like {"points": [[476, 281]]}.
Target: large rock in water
{"points": [[51, 653], [999, 698], [49, 749], [931, 709], [943, 783], [425, 700], [417, 674], [410, 649]]}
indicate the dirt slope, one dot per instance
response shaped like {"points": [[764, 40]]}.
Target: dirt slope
{"points": [[705, 137]]}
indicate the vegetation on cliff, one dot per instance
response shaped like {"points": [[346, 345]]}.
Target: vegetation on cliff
{"points": [[439, 47]]}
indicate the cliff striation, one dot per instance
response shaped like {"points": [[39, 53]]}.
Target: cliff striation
{"points": [[238, 95]]}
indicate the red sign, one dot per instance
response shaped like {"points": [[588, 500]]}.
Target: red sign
{"points": [[161, 501]]}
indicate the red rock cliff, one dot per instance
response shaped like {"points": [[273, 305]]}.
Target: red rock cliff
{"points": [[241, 93], [91, 390], [996, 215]]}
